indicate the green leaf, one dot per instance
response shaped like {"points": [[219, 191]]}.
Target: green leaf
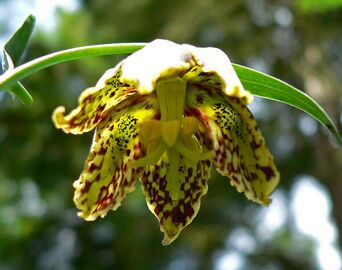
{"points": [[19, 90], [17, 44], [318, 6], [266, 86], [13, 52]]}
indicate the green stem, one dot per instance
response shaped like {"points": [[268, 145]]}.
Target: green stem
{"points": [[12, 76]]}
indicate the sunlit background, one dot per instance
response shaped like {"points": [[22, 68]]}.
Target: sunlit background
{"points": [[297, 41]]}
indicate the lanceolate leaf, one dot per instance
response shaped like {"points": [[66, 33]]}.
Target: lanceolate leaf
{"points": [[13, 53], [20, 91], [266, 86], [17, 44]]}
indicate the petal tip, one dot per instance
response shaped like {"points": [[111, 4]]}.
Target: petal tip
{"points": [[167, 240], [61, 121], [58, 116], [88, 216], [170, 235], [267, 201], [84, 216]]}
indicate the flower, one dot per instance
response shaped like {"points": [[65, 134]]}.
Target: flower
{"points": [[165, 115]]}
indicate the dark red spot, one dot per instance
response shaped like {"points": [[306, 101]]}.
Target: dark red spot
{"points": [[268, 171], [102, 151], [179, 217], [198, 114], [254, 145], [86, 187], [88, 99], [230, 167], [99, 114], [235, 179], [98, 177], [136, 146], [254, 176], [93, 167], [199, 99]]}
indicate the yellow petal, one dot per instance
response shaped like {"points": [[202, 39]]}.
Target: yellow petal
{"points": [[107, 178], [95, 103], [240, 149], [174, 214]]}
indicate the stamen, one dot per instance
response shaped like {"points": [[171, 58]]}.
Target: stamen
{"points": [[171, 98], [190, 125], [193, 155], [170, 131], [150, 159]]}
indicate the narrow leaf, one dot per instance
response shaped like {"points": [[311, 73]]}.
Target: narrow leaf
{"points": [[13, 52], [266, 86], [19, 91], [17, 44]]}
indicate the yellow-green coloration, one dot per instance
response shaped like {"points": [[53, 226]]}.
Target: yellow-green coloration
{"points": [[95, 104], [166, 125], [172, 135], [106, 165]]}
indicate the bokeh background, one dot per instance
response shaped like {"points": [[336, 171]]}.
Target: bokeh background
{"points": [[299, 41]]}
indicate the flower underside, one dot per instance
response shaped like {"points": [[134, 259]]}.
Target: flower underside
{"points": [[167, 132]]}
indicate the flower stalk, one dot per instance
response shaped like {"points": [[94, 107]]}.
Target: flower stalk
{"points": [[10, 77]]}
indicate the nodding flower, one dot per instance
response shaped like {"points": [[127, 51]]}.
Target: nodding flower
{"points": [[165, 116]]}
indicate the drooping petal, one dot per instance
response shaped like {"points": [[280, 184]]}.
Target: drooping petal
{"points": [[174, 196], [95, 103], [240, 149], [107, 176]]}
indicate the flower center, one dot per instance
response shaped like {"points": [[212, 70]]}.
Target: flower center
{"points": [[173, 134]]}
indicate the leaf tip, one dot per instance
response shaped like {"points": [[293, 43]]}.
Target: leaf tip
{"points": [[31, 19]]}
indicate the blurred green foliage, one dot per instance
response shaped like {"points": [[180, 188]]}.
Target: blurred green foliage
{"points": [[318, 6], [38, 221]]}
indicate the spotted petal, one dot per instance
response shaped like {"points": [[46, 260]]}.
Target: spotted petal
{"points": [[95, 103], [107, 176], [240, 150], [175, 213]]}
